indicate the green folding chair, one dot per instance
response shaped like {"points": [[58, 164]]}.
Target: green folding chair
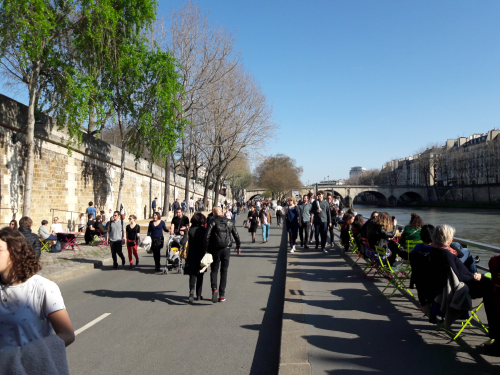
{"points": [[397, 275], [44, 245], [355, 249]]}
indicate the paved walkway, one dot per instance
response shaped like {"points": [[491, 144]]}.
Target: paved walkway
{"points": [[153, 330], [351, 329]]}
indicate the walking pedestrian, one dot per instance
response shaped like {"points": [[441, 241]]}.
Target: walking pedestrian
{"points": [[154, 204], [176, 205], [253, 219], [25, 225], [91, 210], [123, 210], [305, 221], [333, 214], [13, 225], [155, 231], [180, 226], [292, 216], [196, 236], [278, 213], [31, 305], [81, 225], [228, 214], [116, 228], [184, 206], [266, 221], [218, 243], [322, 219], [133, 229], [236, 212], [191, 206]]}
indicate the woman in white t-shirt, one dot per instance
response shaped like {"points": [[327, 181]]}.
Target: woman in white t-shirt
{"points": [[31, 306]]}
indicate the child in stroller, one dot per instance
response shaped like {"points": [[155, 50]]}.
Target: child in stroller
{"points": [[172, 249]]}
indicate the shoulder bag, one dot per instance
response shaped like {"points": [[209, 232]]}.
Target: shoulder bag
{"points": [[184, 251]]}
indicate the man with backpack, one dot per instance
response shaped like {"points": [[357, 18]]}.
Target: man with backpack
{"points": [[218, 243]]}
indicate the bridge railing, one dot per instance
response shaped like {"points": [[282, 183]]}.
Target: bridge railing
{"points": [[470, 245]]}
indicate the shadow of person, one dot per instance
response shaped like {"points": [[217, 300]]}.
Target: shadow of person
{"points": [[162, 296]]}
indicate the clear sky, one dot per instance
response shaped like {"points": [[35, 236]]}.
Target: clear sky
{"points": [[362, 82]]}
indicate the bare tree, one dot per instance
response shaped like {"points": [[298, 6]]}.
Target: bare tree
{"points": [[206, 53]]}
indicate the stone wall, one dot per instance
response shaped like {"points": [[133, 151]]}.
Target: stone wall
{"points": [[68, 181]]}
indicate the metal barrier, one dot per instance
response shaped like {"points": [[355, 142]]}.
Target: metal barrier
{"points": [[71, 226]]}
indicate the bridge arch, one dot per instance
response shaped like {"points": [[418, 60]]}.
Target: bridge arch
{"points": [[256, 196], [408, 198], [382, 200]]}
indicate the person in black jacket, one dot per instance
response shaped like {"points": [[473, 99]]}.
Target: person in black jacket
{"points": [[196, 252], [218, 243], [25, 225], [442, 258], [381, 232]]}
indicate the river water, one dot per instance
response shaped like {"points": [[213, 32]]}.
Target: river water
{"points": [[481, 225]]}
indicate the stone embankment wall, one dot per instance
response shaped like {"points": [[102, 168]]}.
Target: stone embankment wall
{"points": [[67, 182]]}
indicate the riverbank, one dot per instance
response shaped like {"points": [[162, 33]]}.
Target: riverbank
{"points": [[446, 204]]}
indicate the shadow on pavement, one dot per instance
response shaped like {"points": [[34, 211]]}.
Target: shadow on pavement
{"points": [[162, 296], [267, 352]]}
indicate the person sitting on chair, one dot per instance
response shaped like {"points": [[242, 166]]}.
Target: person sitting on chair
{"points": [[442, 260]]}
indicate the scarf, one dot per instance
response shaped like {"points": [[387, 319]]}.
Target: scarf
{"points": [[444, 247], [494, 265]]}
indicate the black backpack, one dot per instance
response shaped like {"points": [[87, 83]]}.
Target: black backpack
{"points": [[222, 233]]}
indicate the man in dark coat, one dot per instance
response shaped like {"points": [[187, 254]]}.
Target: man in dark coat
{"points": [[25, 225], [218, 243]]}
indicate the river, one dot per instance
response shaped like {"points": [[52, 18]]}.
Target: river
{"points": [[481, 225]]}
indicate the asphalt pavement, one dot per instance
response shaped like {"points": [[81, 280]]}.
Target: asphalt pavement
{"points": [[134, 321]]}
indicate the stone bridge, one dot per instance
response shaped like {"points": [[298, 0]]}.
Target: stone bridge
{"points": [[385, 195]]}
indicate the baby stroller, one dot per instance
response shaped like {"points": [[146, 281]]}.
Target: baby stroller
{"points": [[172, 249]]}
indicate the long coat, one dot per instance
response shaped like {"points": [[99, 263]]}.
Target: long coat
{"points": [[196, 250]]}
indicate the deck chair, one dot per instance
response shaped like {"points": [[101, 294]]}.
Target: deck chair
{"points": [[355, 248], [397, 275], [472, 314], [371, 260], [101, 241], [45, 245]]}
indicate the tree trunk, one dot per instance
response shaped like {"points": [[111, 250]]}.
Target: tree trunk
{"points": [[166, 195], [122, 167], [30, 142], [205, 190], [216, 189], [92, 120], [186, 185]]}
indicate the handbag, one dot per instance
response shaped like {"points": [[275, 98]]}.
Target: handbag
{"points": [[207, 260], [184, 251], [246, 224]]}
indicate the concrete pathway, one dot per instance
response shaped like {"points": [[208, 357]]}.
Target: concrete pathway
{"points": [[351, 329], [152, 329]]}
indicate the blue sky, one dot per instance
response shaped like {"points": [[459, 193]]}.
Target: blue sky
{"points": [[362, 82]]}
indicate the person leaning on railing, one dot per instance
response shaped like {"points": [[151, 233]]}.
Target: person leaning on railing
{"points": [[442, 259]]}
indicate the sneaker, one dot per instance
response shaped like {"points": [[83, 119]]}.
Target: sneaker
{"points": [[215, 295], [191, 298], [325, 251], [222, 299], [199, 298], [137, 261], [292, 250], [306, 247]]}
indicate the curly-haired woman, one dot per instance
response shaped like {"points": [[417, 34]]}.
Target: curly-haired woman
{"points": [[30, 305]]}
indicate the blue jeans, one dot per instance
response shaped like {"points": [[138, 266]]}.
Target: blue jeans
{"points": [[234, 217], [467, 259], [265, 231]]}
